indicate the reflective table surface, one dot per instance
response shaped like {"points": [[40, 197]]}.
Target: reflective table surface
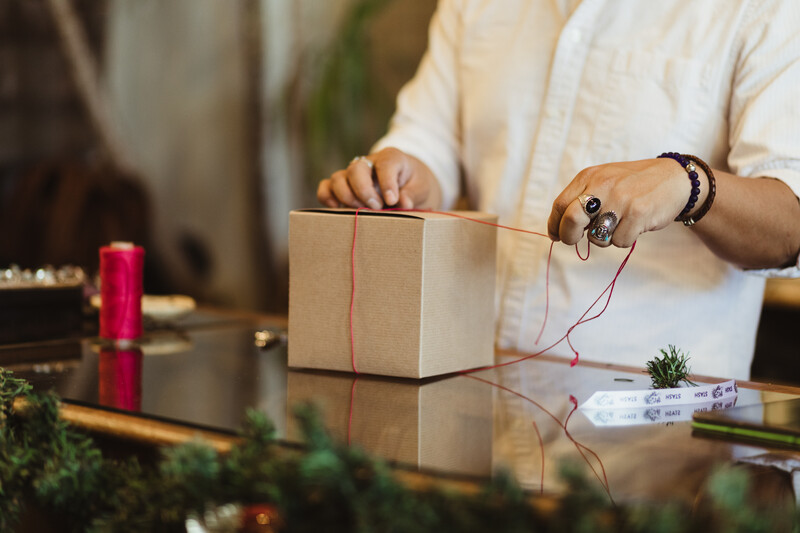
{"points": [[522, 417]]}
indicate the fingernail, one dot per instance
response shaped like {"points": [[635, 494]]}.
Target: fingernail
{"points": [[391, 197], [373, 204]]}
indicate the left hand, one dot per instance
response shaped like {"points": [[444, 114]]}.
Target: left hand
{"points": [[645, 195]]}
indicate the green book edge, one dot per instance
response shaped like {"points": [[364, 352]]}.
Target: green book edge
{"points": [[748, 433]]}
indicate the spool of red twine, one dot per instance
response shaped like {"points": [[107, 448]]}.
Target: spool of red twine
{"points": [[120, 378], [121, 268]]}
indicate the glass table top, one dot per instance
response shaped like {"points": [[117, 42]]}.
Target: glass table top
{"points": [[522, 417]]}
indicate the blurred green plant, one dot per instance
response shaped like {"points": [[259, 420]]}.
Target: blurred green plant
{"points": [[328, 486], [347, 110]]}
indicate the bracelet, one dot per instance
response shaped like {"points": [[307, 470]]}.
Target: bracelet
{"points": [[688, 162], [712, 191], [693, 177]]}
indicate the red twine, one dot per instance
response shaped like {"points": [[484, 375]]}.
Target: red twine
{"points": [[353, 291], [582, 449], [582, 320], [350, 411], [578, 446], [547, 292]]}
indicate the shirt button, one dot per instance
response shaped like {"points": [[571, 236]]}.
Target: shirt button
{"points": [[575, 36]]}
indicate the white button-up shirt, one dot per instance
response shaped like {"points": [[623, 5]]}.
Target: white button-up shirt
{"points": [[515, 97]]}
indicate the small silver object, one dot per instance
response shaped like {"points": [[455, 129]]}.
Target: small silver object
{"points": [[266, 339]]}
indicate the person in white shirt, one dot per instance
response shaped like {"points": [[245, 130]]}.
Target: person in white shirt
{"points": [[538, 106]]}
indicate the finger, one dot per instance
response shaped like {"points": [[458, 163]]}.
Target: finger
{"points": [[573, 223], [359, 178], [325, 194], [570, 193], [626, 233], [602, 228], [554, 220], [340, 186], [392, 174], [563, 205]]}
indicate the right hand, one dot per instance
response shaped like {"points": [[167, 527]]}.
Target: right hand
{"points": [[396, 180]]}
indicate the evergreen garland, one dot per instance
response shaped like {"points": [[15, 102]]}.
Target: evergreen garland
{"points": [[327, 487]]}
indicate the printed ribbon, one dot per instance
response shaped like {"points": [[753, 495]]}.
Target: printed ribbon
{"points": [[660, 397], [653, 415], [630, 408]]}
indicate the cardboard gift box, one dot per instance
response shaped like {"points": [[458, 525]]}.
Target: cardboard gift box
{"points": [[424, 291], [439, 424]]}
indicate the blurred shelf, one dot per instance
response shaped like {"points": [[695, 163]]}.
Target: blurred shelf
{"points": [[783, 293]]}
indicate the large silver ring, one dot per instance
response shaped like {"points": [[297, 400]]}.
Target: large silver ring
{"points": [[363, 158], [603, 226], [590, 204]]}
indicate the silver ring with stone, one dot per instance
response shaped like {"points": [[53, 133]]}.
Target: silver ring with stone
{"points": [[603, 226], [363, 158], [591, 204]]}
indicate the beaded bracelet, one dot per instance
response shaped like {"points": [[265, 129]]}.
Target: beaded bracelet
{"points": [[693, 177], [688, 163], [712, 191]]}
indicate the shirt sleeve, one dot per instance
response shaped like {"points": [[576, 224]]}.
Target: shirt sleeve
{"points": [[426, 122], [764, 125]]}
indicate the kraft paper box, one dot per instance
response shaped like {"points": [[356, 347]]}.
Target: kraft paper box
{"points": [[440, 424], [424, 292]]}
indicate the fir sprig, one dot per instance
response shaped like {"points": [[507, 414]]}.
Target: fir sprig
{"points": [[670, 370]]}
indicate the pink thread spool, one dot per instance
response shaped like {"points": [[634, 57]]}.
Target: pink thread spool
{"points": [[121, 267], [120, 378]]}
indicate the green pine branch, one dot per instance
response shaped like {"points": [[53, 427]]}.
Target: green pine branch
{"points": [[328, 486], [670, 370]]}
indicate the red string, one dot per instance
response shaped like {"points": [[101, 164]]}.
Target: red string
{"points": [[604, 481], [456, 215], [582, 320], [588, 249], [350, 411], [541, 447], [547, 291], [609, 288], [353, 290], [578, 446]]}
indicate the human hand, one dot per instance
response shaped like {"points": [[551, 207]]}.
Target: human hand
{"points": [[644, 195], [395, 179]]}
